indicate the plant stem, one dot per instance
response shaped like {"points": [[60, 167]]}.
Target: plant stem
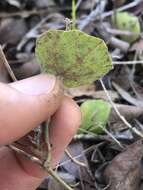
{"points": [[5, 62], [58, 179], [74, 159], [73, 15], [47, 161], [27, 155]]}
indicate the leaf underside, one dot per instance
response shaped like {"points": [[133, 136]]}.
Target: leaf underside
{"points": [[73, 55]]}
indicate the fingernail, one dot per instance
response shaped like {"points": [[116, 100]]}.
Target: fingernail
{"points": [[36, 85]]}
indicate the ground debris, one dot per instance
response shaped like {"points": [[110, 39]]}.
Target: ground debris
{"points": [[124, 172], [113, 159]]}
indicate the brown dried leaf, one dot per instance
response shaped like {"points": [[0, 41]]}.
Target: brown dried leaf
{"points": [[124, 171]]}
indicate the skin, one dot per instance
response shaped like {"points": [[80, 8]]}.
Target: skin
{"points": [[24, 105]]}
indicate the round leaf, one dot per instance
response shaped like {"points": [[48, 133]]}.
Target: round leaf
{"points": [[128, 22], [73, 55], [95, 114]]}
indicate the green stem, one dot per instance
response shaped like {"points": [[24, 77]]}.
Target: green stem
{"points": [[47, 142], [73, 14], [58, 179], [47, 162]]}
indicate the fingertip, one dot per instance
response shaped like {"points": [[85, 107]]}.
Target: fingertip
{"points": [[64, 125], [72, 114], [68, 115]]}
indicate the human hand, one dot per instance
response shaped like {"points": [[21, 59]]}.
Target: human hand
{"points": [[24, 105]]}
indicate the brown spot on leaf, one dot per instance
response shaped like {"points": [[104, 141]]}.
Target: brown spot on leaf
{"points": [[79, 60]]}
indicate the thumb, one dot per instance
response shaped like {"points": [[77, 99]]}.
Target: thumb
{"points": [[27, 103]]}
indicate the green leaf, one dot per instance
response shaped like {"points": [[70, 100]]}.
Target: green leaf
{"points": [[95, 114], [73, 55], [128, 22]]}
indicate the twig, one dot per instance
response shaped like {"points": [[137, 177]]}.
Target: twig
{"points": [[24, 13], [127, 62], [78, 156], [29, 156], [5, 62], [125, 95], [31, 33], [108, 133], [123, 8], [96, 14], [46, 139], [91, 133], [78, 4], [118, 113], [74, 159], [91, 17], [58, 179], [110, 39], [118, 43], [89, 137], [114, 31], [27, 13]]}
